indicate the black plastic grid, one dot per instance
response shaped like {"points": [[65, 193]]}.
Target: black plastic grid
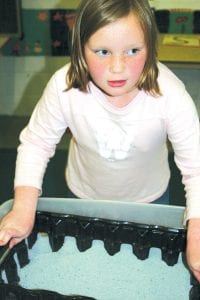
{"points": [[142, 237]]}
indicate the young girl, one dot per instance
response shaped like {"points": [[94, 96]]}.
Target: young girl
{"points": [[121, 106]]}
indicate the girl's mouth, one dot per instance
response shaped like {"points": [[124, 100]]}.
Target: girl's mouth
{"points": [[116, 83]]}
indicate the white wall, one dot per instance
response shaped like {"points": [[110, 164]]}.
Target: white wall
{"points": [[43, 4], [159, 4], [162, 4], [22, 80]]}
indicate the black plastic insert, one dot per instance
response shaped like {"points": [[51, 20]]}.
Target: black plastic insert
{"points": [[142, 237]]}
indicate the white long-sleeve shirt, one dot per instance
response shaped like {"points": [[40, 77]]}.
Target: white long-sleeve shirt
{"points": [[115, 153]]}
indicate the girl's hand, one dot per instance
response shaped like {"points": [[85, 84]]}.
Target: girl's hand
{"points": [[15, 227], [18, 223], [193, 247]]}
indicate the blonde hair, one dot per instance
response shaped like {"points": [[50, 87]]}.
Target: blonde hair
{"points": [[95, 14]]}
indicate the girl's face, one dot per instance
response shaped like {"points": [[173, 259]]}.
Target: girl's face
{"points": [[115, 55]]}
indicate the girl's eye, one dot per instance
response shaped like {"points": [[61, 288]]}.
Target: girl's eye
{"points": [[132, 51], [102, 52]]}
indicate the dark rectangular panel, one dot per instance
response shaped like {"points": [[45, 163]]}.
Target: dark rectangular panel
{"points": [[10, 17]]}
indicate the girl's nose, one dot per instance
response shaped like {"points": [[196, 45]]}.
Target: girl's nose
{"points": [[117, 64]]}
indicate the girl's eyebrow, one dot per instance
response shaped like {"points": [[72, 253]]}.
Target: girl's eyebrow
{"points": [[138, 45], [106, 47]]}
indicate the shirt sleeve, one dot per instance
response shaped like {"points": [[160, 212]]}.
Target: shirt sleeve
{"points": [[39, 138], [184, 134]]}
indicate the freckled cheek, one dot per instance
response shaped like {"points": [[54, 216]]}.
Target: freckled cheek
{"points": [[96, 69], [136, 68]]}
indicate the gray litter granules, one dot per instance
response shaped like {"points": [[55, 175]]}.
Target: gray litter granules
{"points": [[96, 274]]}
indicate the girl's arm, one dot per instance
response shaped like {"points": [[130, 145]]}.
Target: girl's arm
{"points": [[38, 143], [18, 223], [193, 246]]}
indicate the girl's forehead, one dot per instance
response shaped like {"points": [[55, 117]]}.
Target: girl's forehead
{"points": [[125, 28]]}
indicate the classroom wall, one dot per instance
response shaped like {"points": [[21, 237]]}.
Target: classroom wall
{"points": [[166, 4], [159, 4], [22, 79]]}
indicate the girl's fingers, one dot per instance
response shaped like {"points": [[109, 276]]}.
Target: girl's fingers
{"points": [[11, 235], [14, 241], [4, 238], [197, 275]]}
